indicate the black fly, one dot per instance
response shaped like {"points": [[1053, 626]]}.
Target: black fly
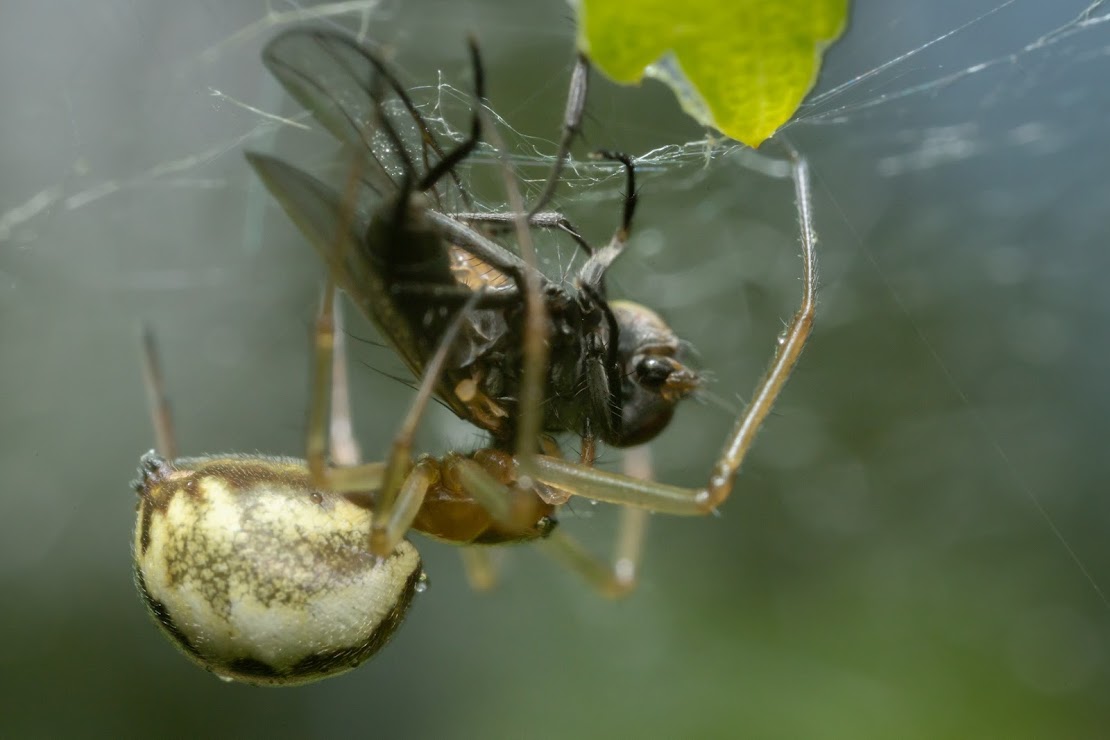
{"points": [[614, 371]]}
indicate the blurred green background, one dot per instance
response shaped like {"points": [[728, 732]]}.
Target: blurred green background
{"points": [[918, 547]]}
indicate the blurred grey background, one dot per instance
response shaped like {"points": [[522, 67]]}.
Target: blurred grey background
{"points": [[918, 547]]}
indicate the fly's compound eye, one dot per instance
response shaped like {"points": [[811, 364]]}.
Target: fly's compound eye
{"points": [[665, 377], [653, 372]]}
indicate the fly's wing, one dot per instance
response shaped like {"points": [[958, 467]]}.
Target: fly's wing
{"points": [[350, 92], [333, 227], [349, 89]]}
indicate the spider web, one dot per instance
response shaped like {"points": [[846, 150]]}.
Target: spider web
{"points": [[921, 71]]}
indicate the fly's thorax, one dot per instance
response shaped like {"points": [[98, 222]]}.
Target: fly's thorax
{"points": [[260, 578], [564, 407]]}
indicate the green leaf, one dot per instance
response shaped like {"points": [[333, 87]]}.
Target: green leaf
{"points": [[740, 66]]}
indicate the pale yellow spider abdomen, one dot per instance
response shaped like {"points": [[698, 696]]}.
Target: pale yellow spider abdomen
{"points": [[258, 577]]}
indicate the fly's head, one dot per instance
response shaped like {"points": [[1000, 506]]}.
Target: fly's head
{"points": [[651, 374]]}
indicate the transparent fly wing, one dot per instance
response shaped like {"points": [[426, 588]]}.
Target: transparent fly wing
{"points": [[328, 224], [331, 225], [334, 227], [351, 92]]}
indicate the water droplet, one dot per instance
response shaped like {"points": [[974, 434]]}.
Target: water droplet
{"points": [[225, 679], [781, 339], [422, 584]]}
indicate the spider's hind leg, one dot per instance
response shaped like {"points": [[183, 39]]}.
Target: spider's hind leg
{"points": [[613, 579], [617, 577], [322, 410], [481, 571]]}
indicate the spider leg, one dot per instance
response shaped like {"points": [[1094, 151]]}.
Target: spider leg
{"points": [[530, 283], [609, 579], [405, 484], [344, 447], [158, 400], [351, 476], [481, 572], [400, 483], [622, 489], [362, 477], [512, 506], [618, 577]]}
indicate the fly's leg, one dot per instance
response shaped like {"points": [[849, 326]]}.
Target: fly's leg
{"points": [[592, 273], [572, 126], [544, 220], [453, 158], [557, 221], [448, 161], [587, 452], [622, 489], [601, 365]]}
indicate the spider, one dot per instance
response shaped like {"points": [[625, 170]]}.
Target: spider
{"points": [[278, 571]]}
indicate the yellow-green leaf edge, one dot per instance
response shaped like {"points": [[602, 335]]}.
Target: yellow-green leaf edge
{"points": [[747, 64]]}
